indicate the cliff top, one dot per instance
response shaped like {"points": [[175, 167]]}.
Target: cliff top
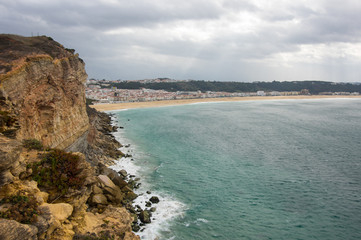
{"points": [[14, 49]]}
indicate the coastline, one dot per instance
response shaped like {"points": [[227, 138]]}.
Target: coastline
{"points": [[131, 105], [162, 212]]}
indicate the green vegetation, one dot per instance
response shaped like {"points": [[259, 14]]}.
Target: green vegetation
{"points": [[315, 87], [58, 170], [33, 144], [89, 101], [70, 50], [22, 208]]}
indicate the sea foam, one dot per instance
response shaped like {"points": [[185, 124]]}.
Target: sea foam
{"points": [[168, 208]]}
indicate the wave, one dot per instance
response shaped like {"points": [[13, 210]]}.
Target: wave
{"points": [[167, 210]]}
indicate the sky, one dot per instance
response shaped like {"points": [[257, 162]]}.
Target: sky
{"points": [[215, 40]]}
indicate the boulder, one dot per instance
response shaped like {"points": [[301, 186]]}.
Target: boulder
{"points": [[154, 199], [105, 180], [144, 217], [99, 199], [60, 211], [131, 196], [9, 157], [13, 230], [119, 181], [123, 173], [97, 190]]}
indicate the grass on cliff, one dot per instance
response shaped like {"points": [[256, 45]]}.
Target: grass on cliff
{"points": [[33, 144], [58, 170], [21, 208]]}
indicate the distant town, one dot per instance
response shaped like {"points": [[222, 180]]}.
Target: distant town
{"points": [[119, 91]]}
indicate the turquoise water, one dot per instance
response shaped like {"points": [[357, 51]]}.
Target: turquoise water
{"points": [[287, 169]]}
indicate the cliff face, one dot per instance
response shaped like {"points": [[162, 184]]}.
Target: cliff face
{"points": [[42, 88], [47, 193]]}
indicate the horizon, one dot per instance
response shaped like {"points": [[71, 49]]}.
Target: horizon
{"points": [[179, 80]]}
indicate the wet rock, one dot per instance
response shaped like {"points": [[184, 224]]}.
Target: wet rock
{"points": [[13, 230], [126, 189], [135, 217], [123, 173], [131, 196], [148, 204], [119, 181], [153, 209], [149, 192], [154, 199], [135, 227], [144, 217]]}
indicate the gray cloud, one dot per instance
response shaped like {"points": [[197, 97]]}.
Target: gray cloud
{"points": [[202, 39]]}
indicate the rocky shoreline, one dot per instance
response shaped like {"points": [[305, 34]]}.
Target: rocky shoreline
{"points": [[119, 180], [55, 151]]}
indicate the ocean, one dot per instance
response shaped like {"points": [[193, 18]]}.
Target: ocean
{"points": [[283, 169]]}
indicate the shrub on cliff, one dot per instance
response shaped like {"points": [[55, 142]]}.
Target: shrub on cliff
{"points": [[33, 144], [20, 208], [58, 170]]}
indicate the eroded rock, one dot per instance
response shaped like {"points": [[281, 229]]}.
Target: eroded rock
{"points": [[13, 230]]}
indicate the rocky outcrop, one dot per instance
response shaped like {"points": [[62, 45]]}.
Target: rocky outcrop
{"points": [[42, 97], [12, 230], [42, 86]]}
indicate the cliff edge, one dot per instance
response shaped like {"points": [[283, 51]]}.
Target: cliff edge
{"points": [[42, 86], [54, 183]]}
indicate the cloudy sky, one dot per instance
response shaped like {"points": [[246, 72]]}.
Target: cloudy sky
{"points": [[223, 40]]}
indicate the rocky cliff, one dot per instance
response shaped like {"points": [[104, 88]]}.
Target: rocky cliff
{"points": [[42, 85], [47, 192]]}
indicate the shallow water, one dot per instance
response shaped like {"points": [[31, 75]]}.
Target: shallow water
{"points": [[287, 169]]}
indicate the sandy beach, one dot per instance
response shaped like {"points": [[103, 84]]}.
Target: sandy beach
{"points": [[130, 105]]}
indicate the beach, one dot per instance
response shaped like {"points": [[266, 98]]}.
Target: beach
{"points": [[130, 105]]}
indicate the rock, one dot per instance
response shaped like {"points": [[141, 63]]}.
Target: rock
{"points": [[123, 173], [119, 181], [135, 227], [97, 190], [149, 192], [46, 90], [118, 222], [99, 199], [154, 199], [131, 183], [13, 230], [106, 181], [61, 211], [115, 193], [135, 217], [126, 189], [9, 157], [153, 209], [148, 204], [144, 217], [131, 196]]}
